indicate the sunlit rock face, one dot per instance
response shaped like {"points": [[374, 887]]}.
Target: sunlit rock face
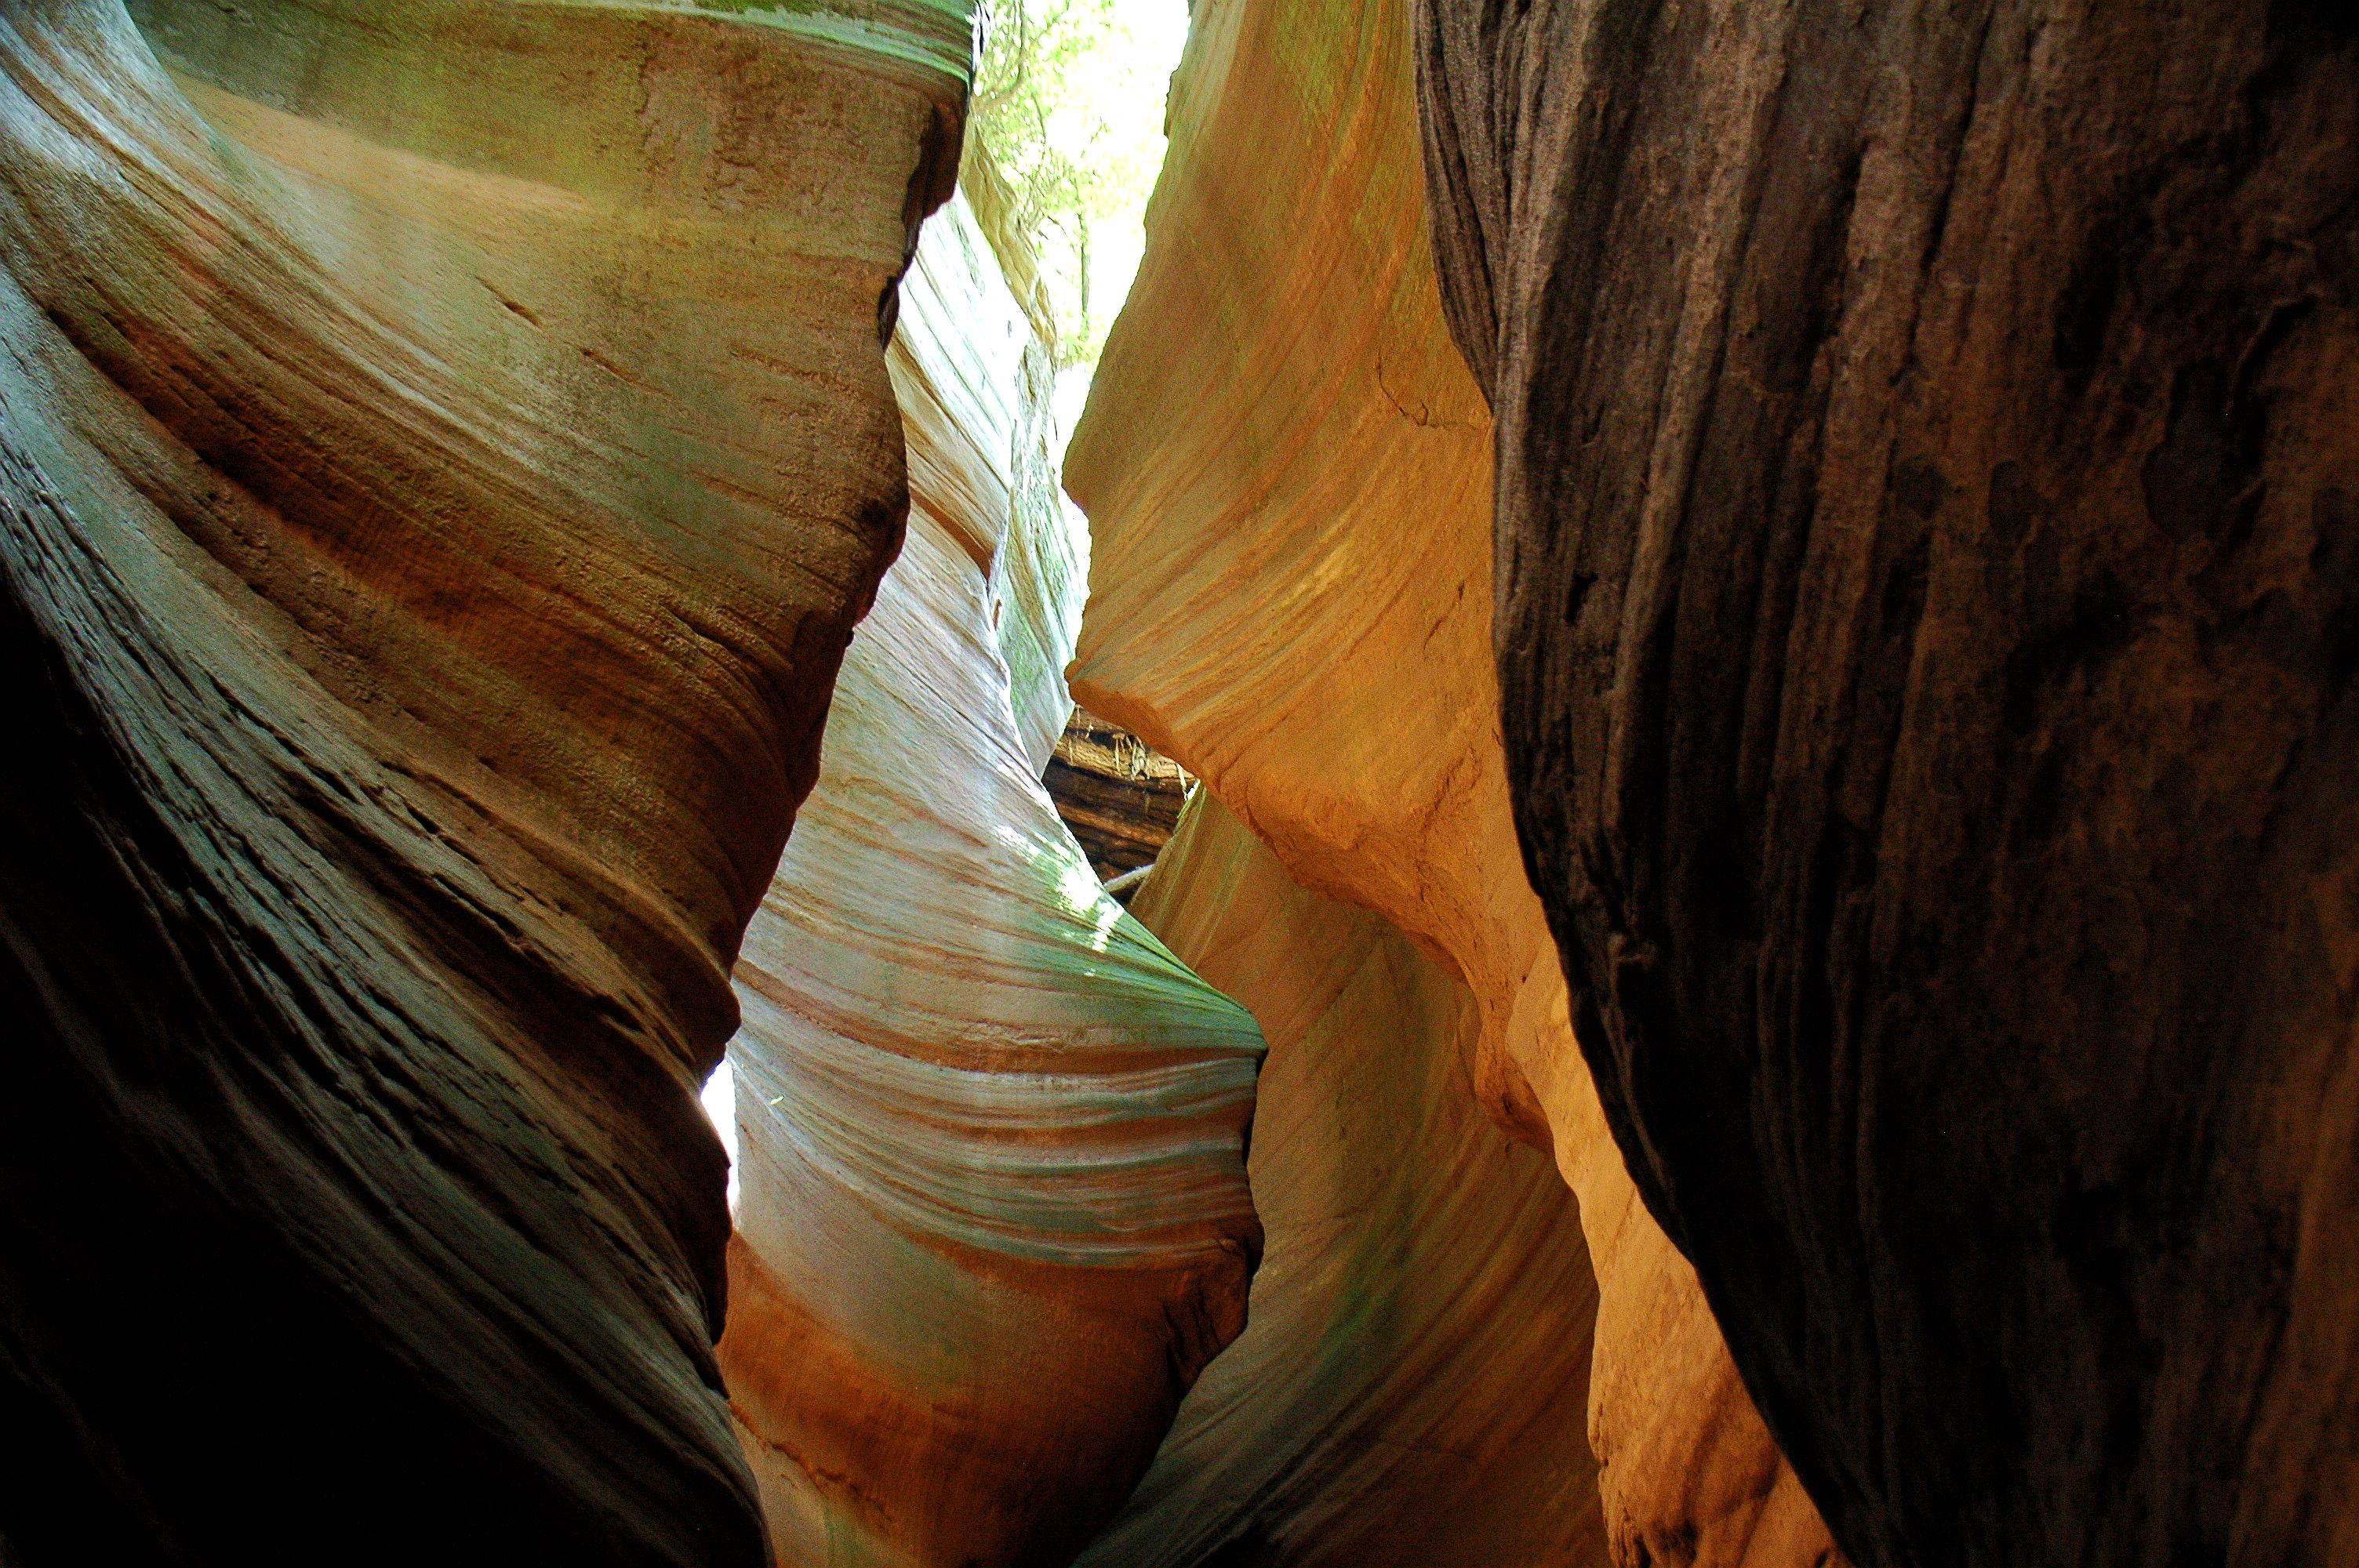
{"points": [[1409, 1389], [993, 1215], [1928, 442], [442, 450], [976, 379], [1287, 471]]}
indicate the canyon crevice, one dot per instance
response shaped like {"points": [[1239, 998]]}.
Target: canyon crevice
{"points": [[1717, 665], [991, 1133]]}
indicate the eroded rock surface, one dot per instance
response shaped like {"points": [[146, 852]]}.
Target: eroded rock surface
{"points": [[1930, 572], [993, 1215], [1292, 596], [442, 450], [1409, 1389]]}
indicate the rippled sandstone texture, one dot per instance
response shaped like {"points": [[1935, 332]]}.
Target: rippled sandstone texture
{"points": [[993, 1215], [1928, 506], [1292, 596], [442, 449], [1410, 1385]]}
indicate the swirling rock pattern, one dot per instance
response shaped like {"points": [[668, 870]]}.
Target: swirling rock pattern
{"points": [[443, 447], [1411, 1386], [993, 1215], [1930, 572], [1292, 596]]}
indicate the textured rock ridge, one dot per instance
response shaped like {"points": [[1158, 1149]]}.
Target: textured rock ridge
{"points": [[1292, 596], [1409, 1389], [442, 450], [1928, 579], [993, 1215]]}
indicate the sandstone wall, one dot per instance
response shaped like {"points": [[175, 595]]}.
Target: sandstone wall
{"points": [[1411, 1386], [976, 381], [1287, 471], [443, 447]]}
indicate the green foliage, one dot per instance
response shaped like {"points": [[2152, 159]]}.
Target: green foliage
{"points": [[1069, 98]]}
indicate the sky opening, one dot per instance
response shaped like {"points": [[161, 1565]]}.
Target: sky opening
{"points": [[1068, 98]]}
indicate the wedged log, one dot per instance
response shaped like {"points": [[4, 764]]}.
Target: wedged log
{"points": [[442, 450], [993, 1215], [1287, 472], [1928, 442], [1411, 1386], [1120, 796]]}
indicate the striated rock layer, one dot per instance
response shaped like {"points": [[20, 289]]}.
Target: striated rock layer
{"points": [[1292, 596], [1419, 1323], [443, 447], [1928, 442], [993, 1215]]}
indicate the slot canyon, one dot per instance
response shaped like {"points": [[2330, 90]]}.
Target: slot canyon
{"points": [[1620, 830]]}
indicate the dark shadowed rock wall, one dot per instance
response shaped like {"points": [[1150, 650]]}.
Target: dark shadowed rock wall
{"points": [[1928, 510], [443, 447]]}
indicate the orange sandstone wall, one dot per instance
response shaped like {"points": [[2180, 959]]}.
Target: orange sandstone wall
{"points": [[1409, 1389], [1286, 467]]}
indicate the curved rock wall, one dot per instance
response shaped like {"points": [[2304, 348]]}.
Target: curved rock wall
{"points": [[993, 1215], [976, 381], [442, 450], [1292, 595], [1409, 1389], [1930, 572]]}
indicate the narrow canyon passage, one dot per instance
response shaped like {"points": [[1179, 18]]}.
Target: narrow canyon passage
{"points": [[994, 1216], [1644, 857]]}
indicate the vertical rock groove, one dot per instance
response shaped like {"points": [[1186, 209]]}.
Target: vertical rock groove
{"points": [[1924, 454], [442, 449]]}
